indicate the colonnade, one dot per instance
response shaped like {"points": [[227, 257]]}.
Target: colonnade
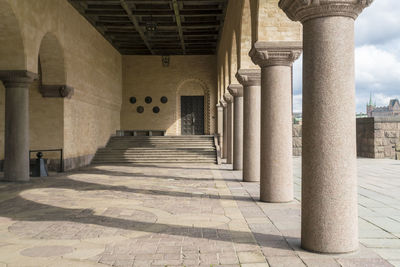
{"points": [[263, 132]]}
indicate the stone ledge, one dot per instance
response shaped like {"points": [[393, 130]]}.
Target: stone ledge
{"points": [[62, 91]]}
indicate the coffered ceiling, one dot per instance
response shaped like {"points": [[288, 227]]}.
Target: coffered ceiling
{"points": [[157, 27]]}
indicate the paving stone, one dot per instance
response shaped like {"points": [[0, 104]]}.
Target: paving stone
{"points": [[181, 216], [365, 262], [251, 257], [290, 261], [318, 262]]}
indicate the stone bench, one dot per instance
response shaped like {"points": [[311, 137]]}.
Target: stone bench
{"points": [[141, 133]]}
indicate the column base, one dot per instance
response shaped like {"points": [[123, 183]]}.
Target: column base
{"points": [[329, 252], [275, 201]]}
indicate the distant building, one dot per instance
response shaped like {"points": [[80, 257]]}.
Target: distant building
{"points": [[388, 111]]}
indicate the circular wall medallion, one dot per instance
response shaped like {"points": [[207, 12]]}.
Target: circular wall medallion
{"points": [[156, 109], [164, 99], [140, 109], [132, 100], [148, 99]]}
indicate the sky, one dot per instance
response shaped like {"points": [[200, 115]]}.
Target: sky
{"points": [[377, 56]]}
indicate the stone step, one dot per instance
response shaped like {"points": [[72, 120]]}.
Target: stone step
{"points": [[150, 157], [152, 161], [157, 149], [154, 153]]}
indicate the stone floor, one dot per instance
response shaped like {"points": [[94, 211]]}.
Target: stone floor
{"points": [[170, 215]]}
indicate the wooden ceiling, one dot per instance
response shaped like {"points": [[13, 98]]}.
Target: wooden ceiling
{"points": [[157, 27]]}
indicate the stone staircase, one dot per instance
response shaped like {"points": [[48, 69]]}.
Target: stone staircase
{"points": [[158, 149]]}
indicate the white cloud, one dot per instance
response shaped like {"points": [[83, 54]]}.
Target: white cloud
{"points": [[378, 23], [375, 68], [297, 103]]}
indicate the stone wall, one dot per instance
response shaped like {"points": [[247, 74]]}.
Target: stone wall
{"points": [[365, 138], [377, 137], [297, 132], [90, 65], [249, 21], [185, 75]]}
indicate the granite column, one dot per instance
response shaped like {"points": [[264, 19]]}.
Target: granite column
{"points": [[236, 91], [16, 150], [250, 80], [275, 60], [329, 167]]}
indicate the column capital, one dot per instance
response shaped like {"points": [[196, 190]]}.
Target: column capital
{"points": [[228, 98], [303, 10], [249, 77], [236, 90], [267, 54], [222, 103], [17, 78]]}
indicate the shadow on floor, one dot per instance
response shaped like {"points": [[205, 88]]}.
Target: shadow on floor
{"points": [[20, 209]]}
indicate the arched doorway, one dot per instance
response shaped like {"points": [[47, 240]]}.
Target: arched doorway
{"points": [[193, 97]]}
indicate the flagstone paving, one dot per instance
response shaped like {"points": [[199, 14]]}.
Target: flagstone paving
{"points": [[177, 215]]}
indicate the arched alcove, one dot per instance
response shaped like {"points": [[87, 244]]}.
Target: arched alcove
{"points": [[234, 57], [51, 56], [46, 100], [194, 87]]}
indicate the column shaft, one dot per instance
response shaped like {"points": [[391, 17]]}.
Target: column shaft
{"points": [[250, 79], [16, 150], [225, 139], [229, 149], [238, 134], [276, 135], [229, 131], [329, 167], [220, 116]]}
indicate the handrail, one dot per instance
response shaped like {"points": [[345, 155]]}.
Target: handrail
{"points": [[51, 150]]}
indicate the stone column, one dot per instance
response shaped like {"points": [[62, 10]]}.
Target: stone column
{"points": [[236, 91], [329, 167], [224, 128], [250, 79], [220, 130], [16, 151], [275, 60], [229, 132]]}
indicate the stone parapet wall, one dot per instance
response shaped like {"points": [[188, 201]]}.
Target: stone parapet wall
{"points": [[297, 133], [387, 135], [365, 138], [377, 137]]}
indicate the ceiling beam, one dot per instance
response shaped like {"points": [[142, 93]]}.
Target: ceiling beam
{"points": [[135, 22], [179, 24]]}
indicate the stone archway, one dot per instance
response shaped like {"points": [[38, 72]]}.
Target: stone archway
{"points": [[12, 50], [193, 87]]}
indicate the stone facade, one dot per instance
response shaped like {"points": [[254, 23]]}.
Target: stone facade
{"points": [[393, 109], [186, 76], [377, 137], [72, 53]]}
